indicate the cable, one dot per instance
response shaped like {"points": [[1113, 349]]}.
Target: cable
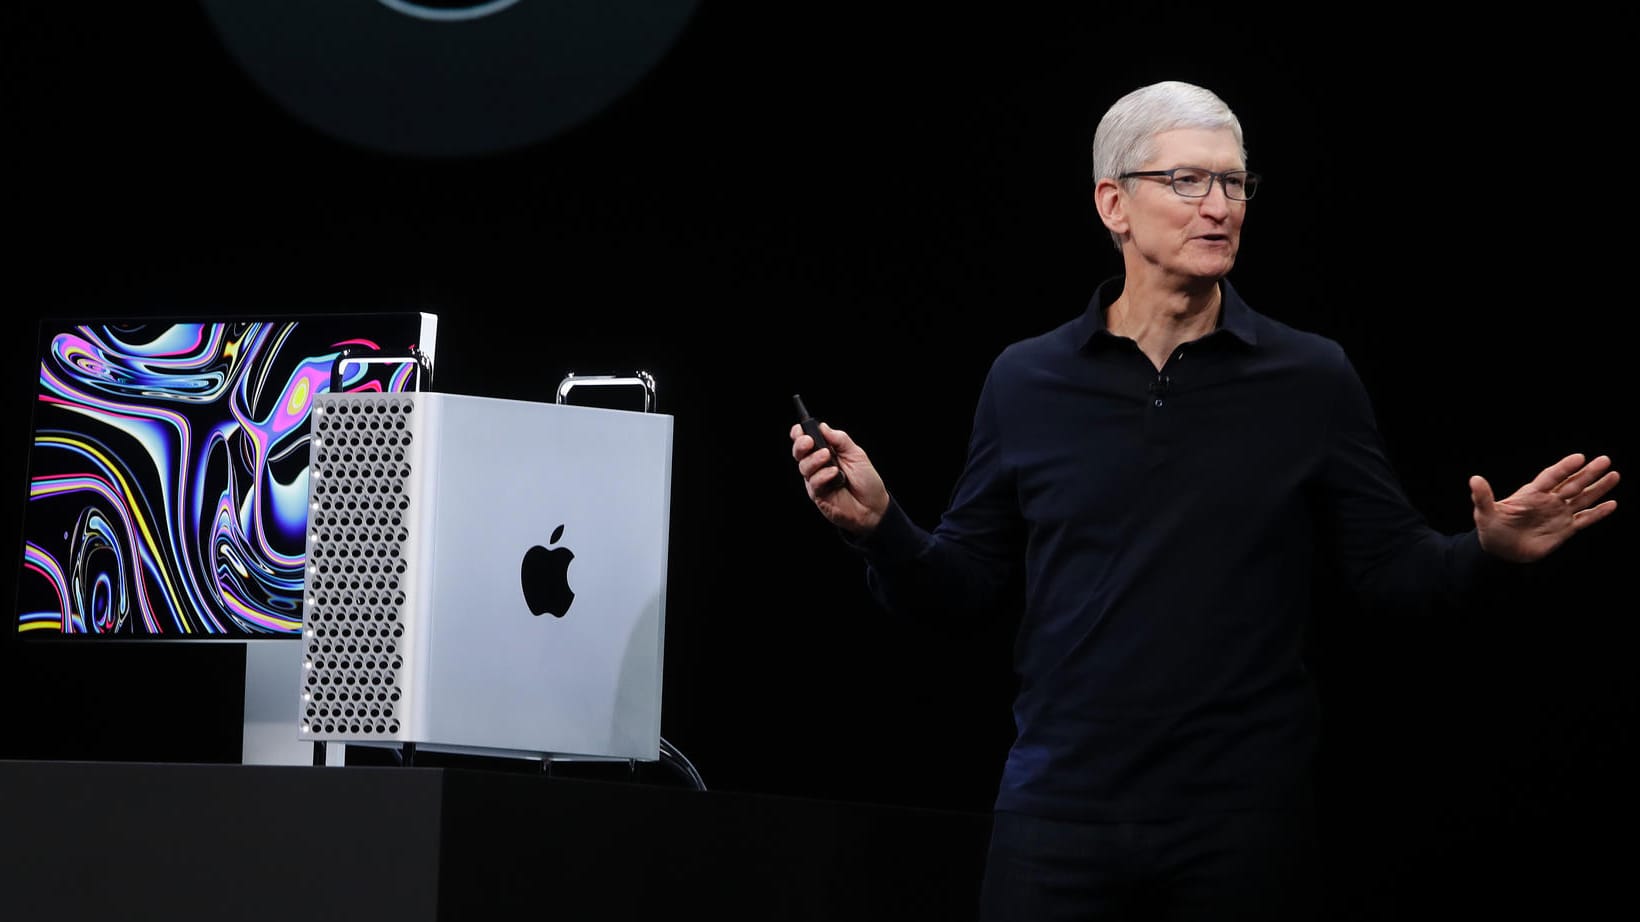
{"points": [[671, 755]]}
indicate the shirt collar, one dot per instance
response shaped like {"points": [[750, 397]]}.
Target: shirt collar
{"points": [[1235, 316]]}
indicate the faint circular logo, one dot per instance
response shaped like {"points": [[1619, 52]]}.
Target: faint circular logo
{"points": [[440, 78], [446, 12]]}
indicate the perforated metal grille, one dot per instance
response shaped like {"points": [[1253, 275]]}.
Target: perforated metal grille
{"points": [[356, 632]]}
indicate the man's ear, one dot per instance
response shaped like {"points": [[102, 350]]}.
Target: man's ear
{"points": [[1112, 205]]}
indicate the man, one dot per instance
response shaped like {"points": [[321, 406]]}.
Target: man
{"points": [[1151, 479]]}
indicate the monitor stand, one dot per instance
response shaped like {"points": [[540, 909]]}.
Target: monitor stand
{"points": [[273, 670]]}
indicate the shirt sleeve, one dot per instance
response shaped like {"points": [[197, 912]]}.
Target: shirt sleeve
{"points": [[1393, 560], [970, 563]]}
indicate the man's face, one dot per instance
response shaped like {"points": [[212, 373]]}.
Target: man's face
{"points": [[1194, 238]]}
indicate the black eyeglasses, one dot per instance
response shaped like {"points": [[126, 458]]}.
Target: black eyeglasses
{"points": [[1195, 182]]}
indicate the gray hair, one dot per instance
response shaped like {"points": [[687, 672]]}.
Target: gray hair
{"points": [[1126, 137]]}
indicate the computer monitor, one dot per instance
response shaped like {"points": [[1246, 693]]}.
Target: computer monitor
{"points": [[167, 467]]}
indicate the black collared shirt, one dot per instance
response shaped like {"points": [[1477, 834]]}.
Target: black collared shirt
{"points": [[1161, 530]]}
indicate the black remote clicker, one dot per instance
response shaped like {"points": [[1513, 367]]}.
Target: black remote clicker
{"points": [[812, 427]]}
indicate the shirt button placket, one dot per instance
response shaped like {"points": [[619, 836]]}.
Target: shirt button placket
{"points": [[1158, 389]]}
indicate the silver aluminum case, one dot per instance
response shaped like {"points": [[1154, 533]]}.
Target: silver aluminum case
{"points": [[416, 627]]}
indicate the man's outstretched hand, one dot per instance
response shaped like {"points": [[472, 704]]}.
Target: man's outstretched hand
{"points": [[1537, 518]]}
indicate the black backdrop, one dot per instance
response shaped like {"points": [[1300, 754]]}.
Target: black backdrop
{"points": [[864, 207]]}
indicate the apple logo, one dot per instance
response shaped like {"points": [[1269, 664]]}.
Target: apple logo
{"points": [[545, 577]]}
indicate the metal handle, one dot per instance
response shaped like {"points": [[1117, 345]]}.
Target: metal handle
{"points": [[640, 379], [420, 368]]}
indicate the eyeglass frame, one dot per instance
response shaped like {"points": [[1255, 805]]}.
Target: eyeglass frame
{"points": [[1212, 178]]}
